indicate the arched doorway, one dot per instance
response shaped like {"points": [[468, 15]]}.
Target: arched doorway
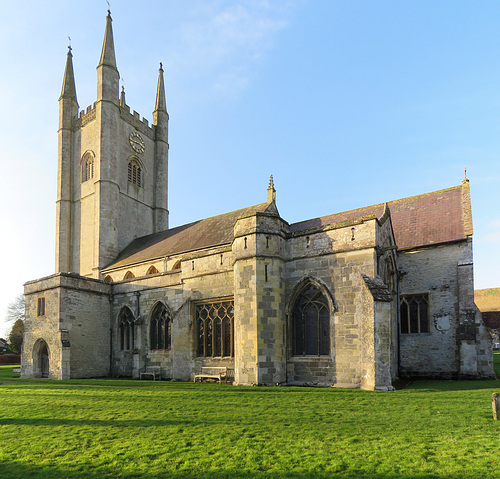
{"points": [[44, 360], [41, 355]]}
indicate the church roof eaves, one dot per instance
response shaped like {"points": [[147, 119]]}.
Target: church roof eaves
{"points": [[206, 233]]}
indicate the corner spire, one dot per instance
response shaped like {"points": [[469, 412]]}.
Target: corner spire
{"points": [[161, 104], [68, 87], [271, 192], [108, 46]]}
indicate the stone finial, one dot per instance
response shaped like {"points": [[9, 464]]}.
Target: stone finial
{"points": [[68, 88], [271, 192], [465, 180], [122, 97], [161, 103], [108, 46]]}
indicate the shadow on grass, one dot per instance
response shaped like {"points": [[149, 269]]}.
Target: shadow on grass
{"points": [[22, 471]]}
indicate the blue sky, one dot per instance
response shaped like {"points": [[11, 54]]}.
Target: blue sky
{"points": [[346, 103]]}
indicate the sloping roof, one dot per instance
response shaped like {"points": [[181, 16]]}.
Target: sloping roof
{"points": [[487, 299], [432, 218], [214, 231]]}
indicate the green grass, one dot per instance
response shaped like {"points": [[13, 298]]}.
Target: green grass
{"points": [[124, 428]]}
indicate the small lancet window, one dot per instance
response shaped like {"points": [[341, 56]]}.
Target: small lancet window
{"points": [[126, 329], [134, 173], [87, 166], [129, 275], [108, 279], [151, 270]]}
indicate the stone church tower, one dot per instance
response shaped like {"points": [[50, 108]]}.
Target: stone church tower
{"points": [[112, 173]]}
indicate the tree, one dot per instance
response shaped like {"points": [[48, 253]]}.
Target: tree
{"points": [[16, 309], [15, 314], [16, 336]]}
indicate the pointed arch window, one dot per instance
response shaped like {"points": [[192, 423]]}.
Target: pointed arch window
{"points": [[215, 329], [108, 279], [129, 275], [134, 172], [311, 323], [160, 332], [126, 329], [87, 166], [152, 270]]}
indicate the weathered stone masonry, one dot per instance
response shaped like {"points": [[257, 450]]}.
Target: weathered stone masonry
{"points": [[353, 299]]}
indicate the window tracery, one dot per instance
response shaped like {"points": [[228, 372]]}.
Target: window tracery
{"points": [[215, 329], [160, 328], [311, 323], [414, 314]]}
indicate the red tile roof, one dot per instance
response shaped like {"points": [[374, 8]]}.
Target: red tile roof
{"points": [[432, 218]]}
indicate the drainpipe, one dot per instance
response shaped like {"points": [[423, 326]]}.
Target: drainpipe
{"points": [[110, 298]]}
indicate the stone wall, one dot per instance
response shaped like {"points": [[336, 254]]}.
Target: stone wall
{"points": [[445, 274], [75, 327]]}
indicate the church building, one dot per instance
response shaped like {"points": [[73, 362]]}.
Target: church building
{"points": [[353, 300]]}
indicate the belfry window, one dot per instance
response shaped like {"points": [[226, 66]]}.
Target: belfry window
{"points": [[134, 173], [311, 323], [160, 328], [40, 310], [87, 166], [126, 329], [414, 314], [215, 329]]}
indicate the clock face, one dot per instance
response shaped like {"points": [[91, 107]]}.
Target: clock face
{"points": [[136, 142]]}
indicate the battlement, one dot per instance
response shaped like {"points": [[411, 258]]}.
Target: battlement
{"points": [[86, 116], [135, 120]]}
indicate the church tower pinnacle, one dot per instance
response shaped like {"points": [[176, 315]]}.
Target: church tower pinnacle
{"points": [[68, 112], [160, 122], [107, 73]]}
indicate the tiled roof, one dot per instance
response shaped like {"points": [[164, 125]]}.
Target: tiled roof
{"points": [[206, 233], [487, 299], [432, 218]]}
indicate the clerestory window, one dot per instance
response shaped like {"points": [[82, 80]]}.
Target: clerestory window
{"points": [[215, 329], [414, 314], [126, 329], [160, 328], [311, 323], [134, 172]]}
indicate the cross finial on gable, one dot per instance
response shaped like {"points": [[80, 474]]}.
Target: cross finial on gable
{"points": [[465, 180]]}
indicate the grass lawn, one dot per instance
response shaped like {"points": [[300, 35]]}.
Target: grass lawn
{"points": [[125, 429]]}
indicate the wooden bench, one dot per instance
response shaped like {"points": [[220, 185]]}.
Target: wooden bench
{"points": [[153, 372], [208, 372]]}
